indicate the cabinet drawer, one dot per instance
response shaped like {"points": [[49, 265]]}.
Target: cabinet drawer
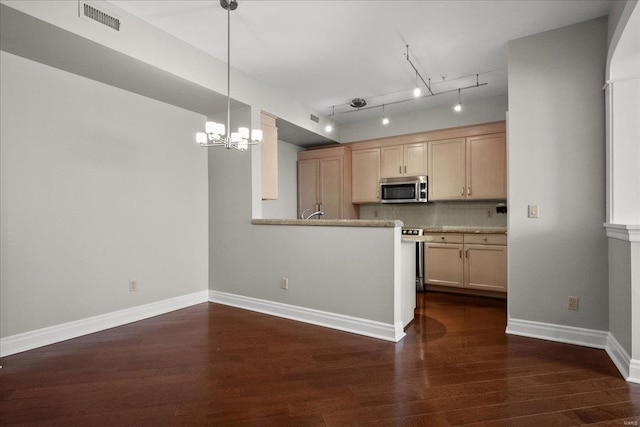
{"points": [[444, 238], [486, 239]]}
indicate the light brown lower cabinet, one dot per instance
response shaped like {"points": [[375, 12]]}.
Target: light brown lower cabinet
{"points": [[469, 261]]}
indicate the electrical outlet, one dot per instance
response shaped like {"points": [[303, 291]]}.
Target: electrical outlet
{"points": [[133, 286], [534, 211], [572, 303], [284, 283]]}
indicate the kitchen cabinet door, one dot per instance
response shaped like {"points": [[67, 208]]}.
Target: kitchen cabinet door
{"points": [[487, 167], [403, 160], [415, 159], [324, 183], [330, 187], [485, 267], [392, 161], [443, 265], [447, 169], [365, 176], [308, 179]]}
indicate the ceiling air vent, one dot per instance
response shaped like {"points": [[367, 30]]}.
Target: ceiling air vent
{"points": [[88, 11], [314, 118]]}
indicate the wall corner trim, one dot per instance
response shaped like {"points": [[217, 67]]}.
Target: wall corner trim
{"points": [[629, 369], [53, 334], [369, 328], [628, 233], [620, 357], [634, 371]]}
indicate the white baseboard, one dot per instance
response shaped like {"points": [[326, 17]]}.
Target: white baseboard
{"points": [[559, 333], [370, 328], [629, 368], [634, 371], [619, 356], [29, 340]]}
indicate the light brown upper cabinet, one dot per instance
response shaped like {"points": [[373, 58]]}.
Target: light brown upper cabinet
{"points": [[447, 169], [324, 183], [365, 175], [404, 160], [487, 167], [269, 152], [472, 168]]}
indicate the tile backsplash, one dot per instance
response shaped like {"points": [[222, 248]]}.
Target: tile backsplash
{"points": [[439, 214]]}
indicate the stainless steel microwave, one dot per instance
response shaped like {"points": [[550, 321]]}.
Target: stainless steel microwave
{"points": [[404, 189]]}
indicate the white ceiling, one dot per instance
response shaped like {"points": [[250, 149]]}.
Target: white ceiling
{"points": [[325, 53]]}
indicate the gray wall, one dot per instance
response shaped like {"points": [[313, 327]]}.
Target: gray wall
{"points": [[99, 186], [329, 268], [286, 206], [479, 111], [620, 324], [556, 151]]}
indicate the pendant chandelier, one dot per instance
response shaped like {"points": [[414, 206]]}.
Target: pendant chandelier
{"points": [[214, 134]]}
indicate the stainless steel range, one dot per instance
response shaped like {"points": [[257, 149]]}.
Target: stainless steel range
{"points": [[417, 232]]}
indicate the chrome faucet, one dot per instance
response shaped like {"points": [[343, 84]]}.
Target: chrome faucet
{"points": [[317, 213], [304, 212]]}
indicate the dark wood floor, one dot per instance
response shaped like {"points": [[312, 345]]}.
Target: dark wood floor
{"points": [[216, 365]]}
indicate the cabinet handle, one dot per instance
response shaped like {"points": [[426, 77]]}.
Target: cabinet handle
{"points": [[399, 169], [442, 238], [462, 191], [405, 168], [468, 191], [460, 253], [485, 239], [466, 253]]}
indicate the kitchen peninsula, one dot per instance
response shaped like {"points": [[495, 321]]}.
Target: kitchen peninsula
{"points": [[352, 275]]}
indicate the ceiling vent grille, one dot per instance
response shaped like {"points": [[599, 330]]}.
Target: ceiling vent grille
{"points": [[87, 11], [314, 118]]}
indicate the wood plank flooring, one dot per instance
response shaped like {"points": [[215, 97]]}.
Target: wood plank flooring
{"points": [[216, 365]]}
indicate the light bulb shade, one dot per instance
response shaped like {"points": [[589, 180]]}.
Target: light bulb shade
{"points": [[201, 138], [210, 127], [385, 120], [417, 92], [244, 133], [243, 144], [328, 128], [235, 137], [219, 129], [458, 107], [256, 135]]}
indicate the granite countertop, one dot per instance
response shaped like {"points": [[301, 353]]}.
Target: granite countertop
{"points": [[466, 229], [330, 222]]}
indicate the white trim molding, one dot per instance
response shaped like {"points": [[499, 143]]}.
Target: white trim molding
{"points": [[40, 337], [629, 368], [369, 328], [634, 371], [628, 233], [619, 356], [559, 333]]}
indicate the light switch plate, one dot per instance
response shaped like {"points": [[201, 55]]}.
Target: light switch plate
{"points": [[534, 211]]}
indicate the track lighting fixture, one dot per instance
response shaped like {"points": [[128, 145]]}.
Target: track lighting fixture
{"points": [[359, 104], [417, 92], [328, 128], [458, 106]]}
